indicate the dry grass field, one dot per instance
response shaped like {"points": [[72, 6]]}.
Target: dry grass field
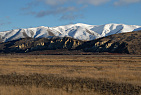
{"points": [[70, 75]]}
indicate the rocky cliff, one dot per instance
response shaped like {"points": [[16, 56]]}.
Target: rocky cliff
{"points": [[38, 44], [129, 43]]}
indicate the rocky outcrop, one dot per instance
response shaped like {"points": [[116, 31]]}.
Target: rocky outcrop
{"points": [[129, 43], [30, 44]]}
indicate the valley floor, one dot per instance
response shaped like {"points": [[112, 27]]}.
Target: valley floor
{"points": [[70, 74]]}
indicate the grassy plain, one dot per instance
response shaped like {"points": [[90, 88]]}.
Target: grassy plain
{"points": [[70, 75]]}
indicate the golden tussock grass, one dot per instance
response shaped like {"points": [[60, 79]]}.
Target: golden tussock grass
{"points": [[70, 74], [27, 90]]}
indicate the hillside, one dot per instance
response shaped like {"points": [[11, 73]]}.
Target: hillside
{"points": [[129, 43], [124, 43], [38, 44]]}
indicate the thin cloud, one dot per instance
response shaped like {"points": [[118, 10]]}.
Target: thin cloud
{"points": [[92, 2], [30, 5], [30, 13], [53, 2], [26, 8], [126, 2], [66, 8], [60, 2], [5, 23], [71, 16], [7, 17], [56, 11], [55, 7]]}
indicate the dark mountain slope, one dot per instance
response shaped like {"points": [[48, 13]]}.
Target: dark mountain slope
{"points": [[129, 43], [32, 44]]}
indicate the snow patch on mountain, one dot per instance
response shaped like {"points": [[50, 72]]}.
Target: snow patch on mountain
{"points": [[78, 31]]}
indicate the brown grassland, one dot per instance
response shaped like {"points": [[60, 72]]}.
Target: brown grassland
{"points": [[70, 74]]}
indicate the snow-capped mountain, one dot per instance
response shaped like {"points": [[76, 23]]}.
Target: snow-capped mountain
{"points": [[78, 31]]}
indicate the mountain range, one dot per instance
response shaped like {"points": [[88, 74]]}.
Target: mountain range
{"points": [[78, 31], [73, 39]]}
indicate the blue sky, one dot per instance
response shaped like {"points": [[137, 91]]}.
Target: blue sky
{"points": [[33, 13]]}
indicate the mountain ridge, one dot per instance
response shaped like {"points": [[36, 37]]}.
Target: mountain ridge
{"points": [[78, 31], [122, 43]]}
